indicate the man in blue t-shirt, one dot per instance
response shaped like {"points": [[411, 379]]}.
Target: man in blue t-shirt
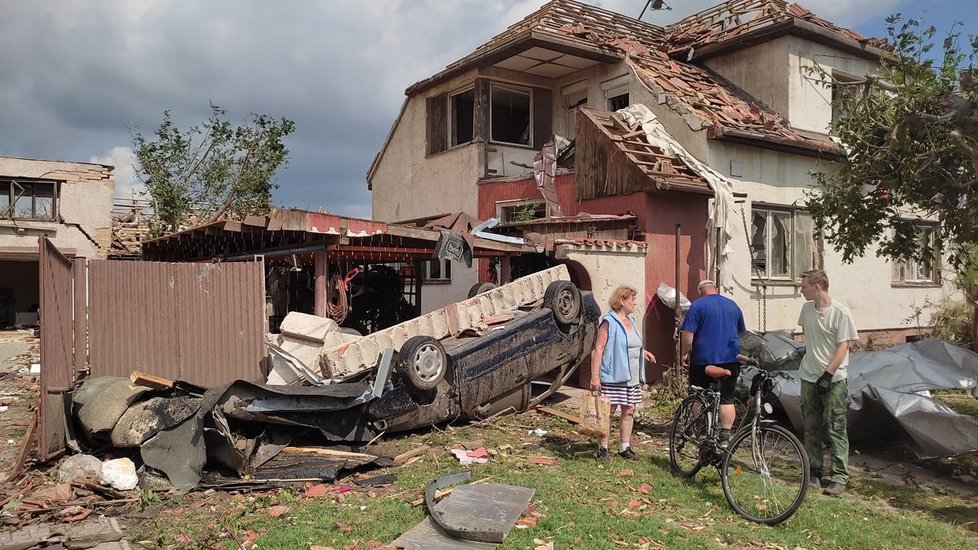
{"points": [[711, 336]]}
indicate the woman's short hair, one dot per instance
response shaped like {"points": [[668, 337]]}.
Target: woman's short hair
{"points": [[619, 295]]}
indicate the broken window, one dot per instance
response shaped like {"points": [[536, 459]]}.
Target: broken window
{"points": [[437, 271], [28, 200], [618, 101], [510, 119], [783, 243], [462, 117], [520, 211], [920, 270]]}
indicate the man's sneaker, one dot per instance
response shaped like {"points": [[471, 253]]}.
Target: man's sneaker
{"points": [[724, 440], [815, 481], [602, 454], [834, 489], [628, 454]]}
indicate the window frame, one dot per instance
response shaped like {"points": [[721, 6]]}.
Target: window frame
{"points": [[913, 267], [8, 188], [451, 118], [509, 206], [514, 89], [793, 277], [612, 95], [444, 275]]}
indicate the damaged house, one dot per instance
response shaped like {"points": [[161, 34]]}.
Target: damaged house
{"points": [[712, 157], [69, 202]]}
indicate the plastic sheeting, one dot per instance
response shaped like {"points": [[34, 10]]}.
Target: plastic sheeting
{"points": [[889, 397]]}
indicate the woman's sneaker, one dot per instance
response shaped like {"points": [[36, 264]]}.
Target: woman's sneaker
{"points": [[602, 454]]}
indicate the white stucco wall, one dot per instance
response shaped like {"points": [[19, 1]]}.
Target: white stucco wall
{"points": [[864, 285], [760, 70], [810, 102], [84, 206], [609, 265]]}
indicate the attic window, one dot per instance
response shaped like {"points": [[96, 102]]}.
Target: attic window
{"points": [[510, 116]]}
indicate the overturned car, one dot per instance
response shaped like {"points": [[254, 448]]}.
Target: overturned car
{"points": [[495, 363]]}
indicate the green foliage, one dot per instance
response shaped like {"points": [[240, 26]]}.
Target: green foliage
{"points": [[211, 170], [524, 214], [909, 138], [952, 321]]}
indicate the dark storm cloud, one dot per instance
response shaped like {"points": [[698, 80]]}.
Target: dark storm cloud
{"points": [[77, 75]]}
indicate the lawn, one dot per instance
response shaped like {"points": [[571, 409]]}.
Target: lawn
{"points": [[579, 503]]}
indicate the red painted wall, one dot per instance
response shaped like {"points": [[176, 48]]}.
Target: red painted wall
{"points": [[658, 213]]}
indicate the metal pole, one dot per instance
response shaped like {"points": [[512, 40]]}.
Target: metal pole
{"points": [[716, 261], [677, 310]]}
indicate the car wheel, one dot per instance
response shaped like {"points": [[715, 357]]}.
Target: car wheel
{"points": [[479, 288], [564, 299], [423, 362]]}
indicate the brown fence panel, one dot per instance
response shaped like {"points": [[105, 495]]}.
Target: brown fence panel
{"points": [[56, 289], [201, 323]]}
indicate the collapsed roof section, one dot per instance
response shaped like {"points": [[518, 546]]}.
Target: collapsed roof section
{"points": [[615, 153], [294, 232], [565, 36], [739, 23]]}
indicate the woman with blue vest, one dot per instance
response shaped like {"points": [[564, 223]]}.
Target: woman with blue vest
{"points": [[618, 365]]}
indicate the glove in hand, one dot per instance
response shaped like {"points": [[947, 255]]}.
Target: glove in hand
{"points": [[824, 383]]}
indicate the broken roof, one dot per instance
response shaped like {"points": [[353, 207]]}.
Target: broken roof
{"points": [[743, 22], [287, 231], [571, 27], [664, 172]]}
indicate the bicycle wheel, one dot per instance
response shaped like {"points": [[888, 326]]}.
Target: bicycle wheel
{"points": [[688, 432], [765, 474]]}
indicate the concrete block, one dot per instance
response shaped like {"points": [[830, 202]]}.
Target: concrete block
{"points": [[309, 327]]}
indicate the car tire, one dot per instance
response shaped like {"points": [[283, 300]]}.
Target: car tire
{"points": [[564, 299], [423, 362], [479, 288]]}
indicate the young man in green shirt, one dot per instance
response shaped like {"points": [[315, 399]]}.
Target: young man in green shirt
{"points": [[828, 329]]}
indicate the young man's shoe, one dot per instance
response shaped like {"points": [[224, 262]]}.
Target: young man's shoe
{"points": [[834, 489], [628, 454], [815, 480], [602, 454], [724, 440]]}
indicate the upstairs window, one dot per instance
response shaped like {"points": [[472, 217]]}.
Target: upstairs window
{"points": [[783, 243], [28, 200], [511, 119], [617, 101], [462, 117], [923, 271]]}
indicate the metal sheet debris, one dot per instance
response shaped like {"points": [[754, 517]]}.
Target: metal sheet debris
{"points": [[889, 397]]}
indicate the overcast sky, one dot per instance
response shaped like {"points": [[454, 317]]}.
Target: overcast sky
{"points": [[76, 75]]}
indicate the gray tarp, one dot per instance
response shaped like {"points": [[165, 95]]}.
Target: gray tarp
{"points": [[889, 397]]}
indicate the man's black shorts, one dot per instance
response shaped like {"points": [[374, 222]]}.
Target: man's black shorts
{"points": [[698, 377]]}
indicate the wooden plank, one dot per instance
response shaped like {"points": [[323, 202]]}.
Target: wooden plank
{"points": [[559, 414], [327, 452], [25, 448], [405, 456], [149, 380]]}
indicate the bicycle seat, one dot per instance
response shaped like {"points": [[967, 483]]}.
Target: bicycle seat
{"points": [[716, 372]]}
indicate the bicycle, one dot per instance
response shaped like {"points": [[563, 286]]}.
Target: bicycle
{"points": [[763, 470]]}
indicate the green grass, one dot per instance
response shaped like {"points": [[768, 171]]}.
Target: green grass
{"points": [[584, 504]]}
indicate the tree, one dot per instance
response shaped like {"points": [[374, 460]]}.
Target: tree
{"points": [[213, 170], [909, 140]]}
